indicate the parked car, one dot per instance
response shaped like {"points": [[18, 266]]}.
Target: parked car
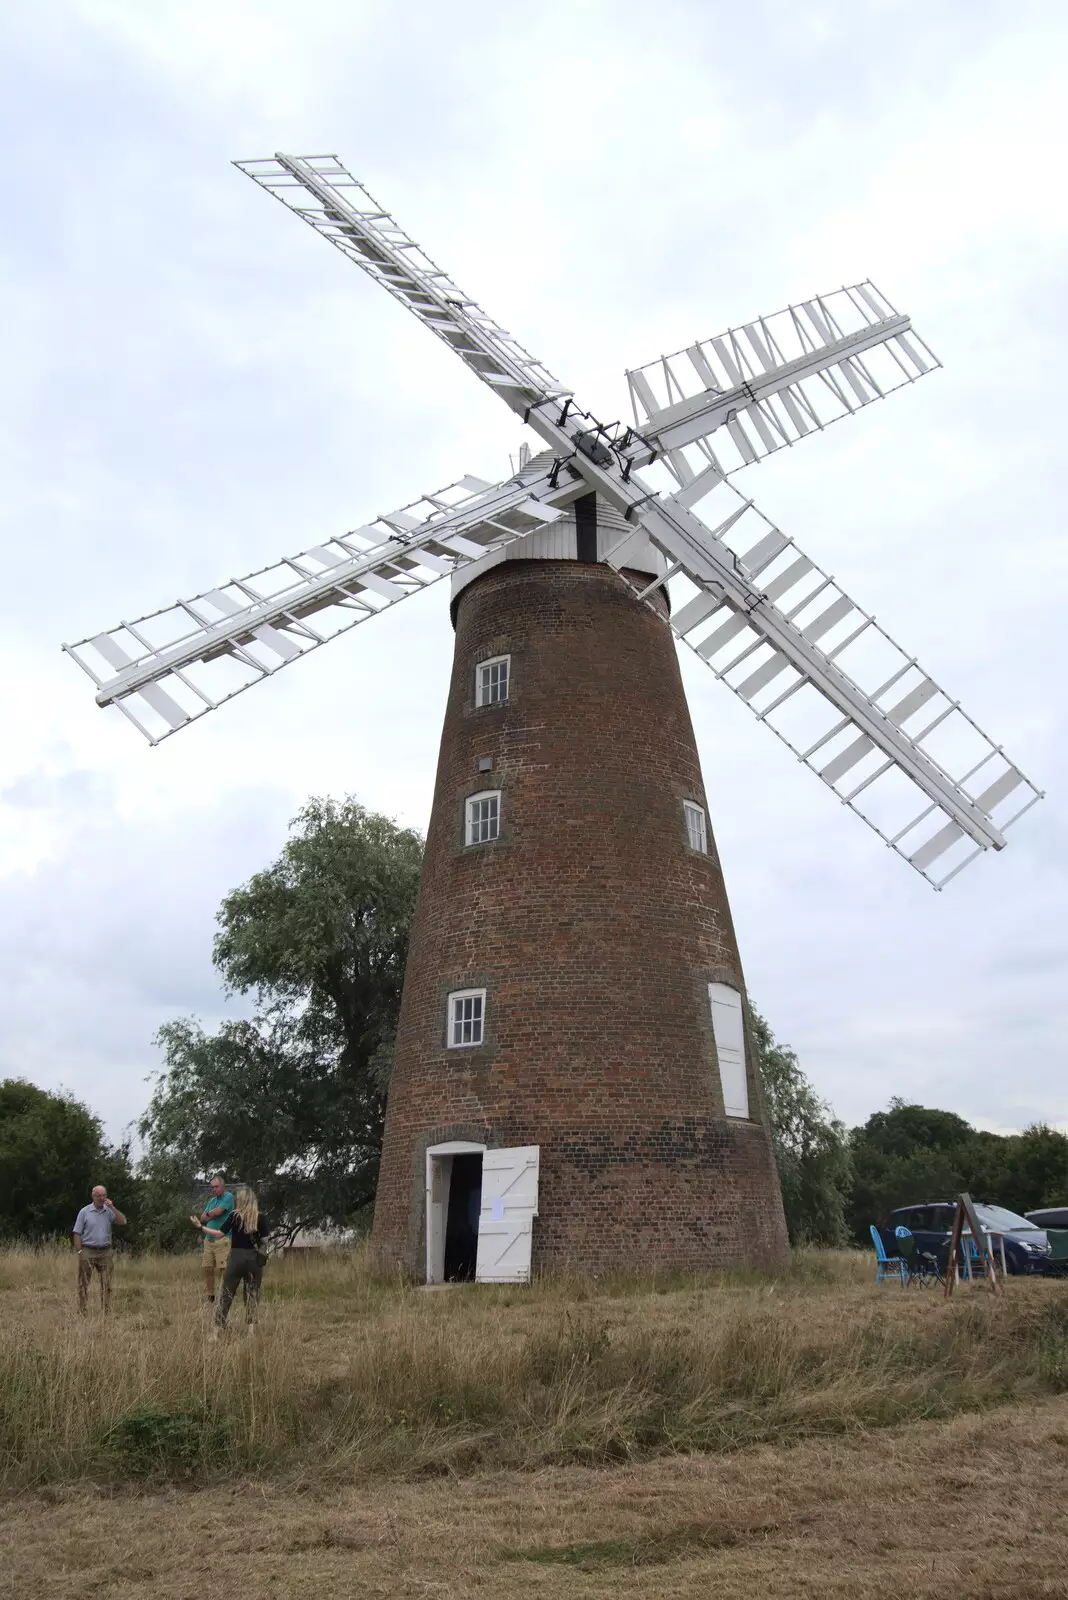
{"points": [[1052, 1217], [1026, 1247], [1054, 1220]]}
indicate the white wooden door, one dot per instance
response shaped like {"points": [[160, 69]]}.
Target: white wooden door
{"points": [[437, 1200], [506, 1220], [729, 1031]]}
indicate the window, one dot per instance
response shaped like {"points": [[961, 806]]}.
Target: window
{"points": [[696, 826], [467, 1008], [491, 681], [1000, 1220], [729, 1032], [483, 817]]}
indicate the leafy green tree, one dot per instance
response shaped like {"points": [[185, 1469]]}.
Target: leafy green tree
{"points": [[903, 1129], [811, 1147], [909, 1154], [295, 1098], [52, 1152], [324, 931], [1022, 1170]]}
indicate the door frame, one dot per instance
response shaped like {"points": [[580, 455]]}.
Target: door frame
{"points": [[439, 1167]]}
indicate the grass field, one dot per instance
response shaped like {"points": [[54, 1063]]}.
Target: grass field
{"points": [[806, 1434]]}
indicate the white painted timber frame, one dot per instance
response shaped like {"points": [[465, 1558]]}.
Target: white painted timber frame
{"points": [[696, 825], [483, 686], [457, 997], [438, 1180], [473, 822], [506, 1220], [728, 1028]]}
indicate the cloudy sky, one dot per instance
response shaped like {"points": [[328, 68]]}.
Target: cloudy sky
{"points": [[194, 385]]}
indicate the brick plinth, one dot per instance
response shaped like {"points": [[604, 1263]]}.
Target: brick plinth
{"points": [[595, 930]]}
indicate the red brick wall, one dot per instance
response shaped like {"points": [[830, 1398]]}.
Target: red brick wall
{"points": [[595, 930]]}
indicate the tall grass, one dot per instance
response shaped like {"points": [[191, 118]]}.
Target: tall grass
{"points": [[348, 1375]]}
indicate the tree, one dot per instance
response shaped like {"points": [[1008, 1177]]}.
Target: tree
{"points": [[1029, 1169], [52, 1152], [811, 1147], [295, 1098], [908, 1154]]}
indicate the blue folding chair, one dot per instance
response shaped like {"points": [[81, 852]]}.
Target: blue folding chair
{"points": [[906, 1249], [974, 1261], [887, 1266]]}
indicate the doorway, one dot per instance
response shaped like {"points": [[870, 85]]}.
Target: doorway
{"points": [[453, 1202], [461, 1226]]}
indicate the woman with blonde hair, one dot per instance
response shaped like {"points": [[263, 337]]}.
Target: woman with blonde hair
{"points": [[248, 1230]]}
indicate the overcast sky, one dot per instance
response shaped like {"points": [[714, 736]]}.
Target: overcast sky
{"points": [[194, 384]]}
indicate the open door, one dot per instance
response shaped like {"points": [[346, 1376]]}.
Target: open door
{"points": [[439, 1202], [506, 1221]]}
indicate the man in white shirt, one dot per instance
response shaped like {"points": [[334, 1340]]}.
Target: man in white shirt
{"points": [[92, 1246]]}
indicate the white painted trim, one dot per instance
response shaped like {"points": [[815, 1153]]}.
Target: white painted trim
{"points": [[509, 1206], [465, 994], [493, 661], [693, 808], [439, 1167], [728, 1027], [469, 820]]}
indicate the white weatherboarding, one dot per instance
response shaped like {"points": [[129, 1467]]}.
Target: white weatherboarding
{"points": [[848, 701]]}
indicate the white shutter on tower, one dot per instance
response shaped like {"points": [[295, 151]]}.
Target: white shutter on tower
{"points": [[729, 1031], [509, 1206]]}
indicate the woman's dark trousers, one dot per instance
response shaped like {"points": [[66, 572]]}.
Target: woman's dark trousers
{"points": [[243, 1266]]}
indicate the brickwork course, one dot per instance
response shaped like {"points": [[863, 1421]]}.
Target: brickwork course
{"points": [[595, 930]]}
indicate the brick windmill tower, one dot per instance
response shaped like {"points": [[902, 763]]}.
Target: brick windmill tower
{"points": [[574, 1085]]}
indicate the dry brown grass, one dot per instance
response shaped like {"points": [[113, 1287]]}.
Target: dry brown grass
{"points": [[808, 1434], [349, 1376], [970, 1509]]}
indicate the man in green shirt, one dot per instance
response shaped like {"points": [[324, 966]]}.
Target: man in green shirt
{"points": [[218, 1206]]}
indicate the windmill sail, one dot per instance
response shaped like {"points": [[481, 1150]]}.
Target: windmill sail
{"points": [[327, 197], [165, 670], [837, 689], [772, 382], [778, 630]]}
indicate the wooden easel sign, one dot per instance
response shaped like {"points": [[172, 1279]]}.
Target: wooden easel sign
{"points": [[965, 1220]]}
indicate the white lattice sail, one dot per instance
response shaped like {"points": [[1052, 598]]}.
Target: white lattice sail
{"points": [[329, 199], [849, 702], [166, 669], [772, 382], [770, 623]]}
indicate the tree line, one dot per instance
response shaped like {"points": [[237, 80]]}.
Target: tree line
{"points": [[294, 1097]]}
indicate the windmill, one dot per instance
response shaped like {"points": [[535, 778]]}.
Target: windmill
{"points": [[574, 1041]]}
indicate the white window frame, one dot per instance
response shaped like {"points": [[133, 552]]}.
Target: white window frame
{"points": [[482, 698], [696, 823], [455, 1018], [728, 1030], [473, 823]]}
